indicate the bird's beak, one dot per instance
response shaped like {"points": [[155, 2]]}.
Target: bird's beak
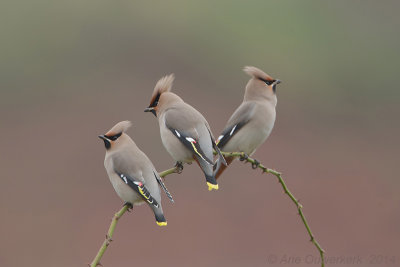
{"points": [[151, 109], [278, 81], [107, 143]]}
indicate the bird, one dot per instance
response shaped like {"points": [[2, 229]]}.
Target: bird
{"points": [[131, 172], [185, 133], [252, 122]]}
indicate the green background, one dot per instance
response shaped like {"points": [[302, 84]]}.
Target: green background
{"points": [[70, 70]]}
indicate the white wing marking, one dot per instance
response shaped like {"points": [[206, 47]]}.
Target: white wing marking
{"points": [[233, 129], [190, 139]]}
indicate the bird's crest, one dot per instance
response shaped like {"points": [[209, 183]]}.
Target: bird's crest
{"points": [[162, 86], [257, 73], [120, 127]]}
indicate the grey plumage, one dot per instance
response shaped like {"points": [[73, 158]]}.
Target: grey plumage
{"points": [[252, 122], [131, 172], [184, 132]]}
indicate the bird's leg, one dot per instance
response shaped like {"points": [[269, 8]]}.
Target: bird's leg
{"points": [[243, 157], [179, 167], [255, 164], [130, 206]]}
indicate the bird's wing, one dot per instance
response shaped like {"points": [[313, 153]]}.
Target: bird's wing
{"points": [[161, 183], [184, 126], [138, 187], [132, 175], [221, 158], [239, 118]]}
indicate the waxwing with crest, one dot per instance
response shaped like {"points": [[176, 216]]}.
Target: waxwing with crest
{"points": [[185, 133], [252, 122], [131, 173]]}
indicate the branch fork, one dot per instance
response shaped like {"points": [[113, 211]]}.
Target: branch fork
{"points": [[242, 157]]}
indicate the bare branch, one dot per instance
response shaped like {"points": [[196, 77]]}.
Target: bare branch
{"points": [[107, 241], [117, 216], [243, 157], [256, 164]]}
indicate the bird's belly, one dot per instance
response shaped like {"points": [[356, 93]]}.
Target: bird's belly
{"points": [[247, 141], [124, 191], [175, 148]]}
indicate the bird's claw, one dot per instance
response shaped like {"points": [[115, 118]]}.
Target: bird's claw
{"points": [[179, 167], [129, 205], [255, 164], [243, 157]]}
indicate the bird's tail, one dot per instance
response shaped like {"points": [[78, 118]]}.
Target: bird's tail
{"points": [[160, 219], [221, 162], [219, 168], [207, 169], [211, 182]]}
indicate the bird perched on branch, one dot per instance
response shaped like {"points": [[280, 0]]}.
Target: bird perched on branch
{"points": [[185, 133], [131, 173], [252, 122]]}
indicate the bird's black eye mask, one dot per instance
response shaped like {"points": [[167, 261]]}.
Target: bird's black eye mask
{"points": [[274, 88], [155, 102], [267, 82], [113, 137]]}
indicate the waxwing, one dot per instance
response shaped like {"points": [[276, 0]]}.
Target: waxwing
{"points": [[185, 133], [131, 173], [252, 122]]}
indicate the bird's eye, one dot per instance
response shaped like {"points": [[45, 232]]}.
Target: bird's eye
{"points": [[267, 82], [114, 137], [155, 102]]}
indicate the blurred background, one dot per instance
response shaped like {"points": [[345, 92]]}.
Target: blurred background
{"points": [[71, 69]]}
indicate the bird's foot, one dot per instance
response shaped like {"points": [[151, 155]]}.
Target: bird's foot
{"points": [[255, 164], [243, 157], [129, 205], [179, 167]]}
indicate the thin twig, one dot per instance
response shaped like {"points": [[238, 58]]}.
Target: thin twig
{"points": [[169, 171], [256, 164], [108, 239], [278, 175], [117, 216]]}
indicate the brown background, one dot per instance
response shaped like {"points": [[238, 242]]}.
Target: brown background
{"points": [[70, 70]]}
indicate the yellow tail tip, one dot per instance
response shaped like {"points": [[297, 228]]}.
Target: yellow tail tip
{"points": [[161, 223], [212, 186]]}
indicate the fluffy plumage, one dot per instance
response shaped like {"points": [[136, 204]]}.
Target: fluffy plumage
{"points": [[257, 73], [184, 132], [120, 127], [252, 122], [162, 86], [131, 172]]}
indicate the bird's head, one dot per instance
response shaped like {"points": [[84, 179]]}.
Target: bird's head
{"points": [[164, 85], [261, 83], [115, 135]]}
